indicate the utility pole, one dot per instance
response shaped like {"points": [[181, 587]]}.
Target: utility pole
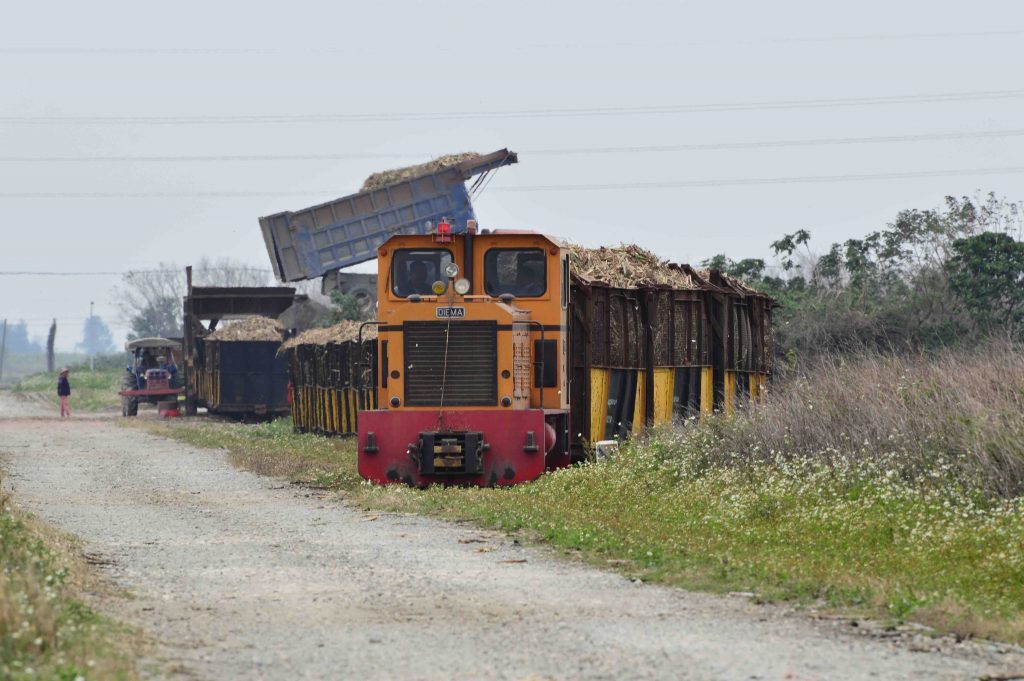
{"points": [[3, 349], [92, 354]]}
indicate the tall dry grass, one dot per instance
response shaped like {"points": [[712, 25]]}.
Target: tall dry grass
{"points": [[957, 410]]}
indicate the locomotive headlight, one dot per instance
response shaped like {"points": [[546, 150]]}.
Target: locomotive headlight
{"points": [[462, 286], [438, 287], [451, 270]]}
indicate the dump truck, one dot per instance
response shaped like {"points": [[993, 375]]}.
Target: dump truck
{"points": [[323, 240]]}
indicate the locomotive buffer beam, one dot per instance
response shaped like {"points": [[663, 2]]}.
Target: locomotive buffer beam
{"points": [[458, 453]]}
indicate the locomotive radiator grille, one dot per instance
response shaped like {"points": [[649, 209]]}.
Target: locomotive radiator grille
{"points": [[472, 366]]}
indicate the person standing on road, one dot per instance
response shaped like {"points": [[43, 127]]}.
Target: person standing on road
{"points": [[64, 392]]}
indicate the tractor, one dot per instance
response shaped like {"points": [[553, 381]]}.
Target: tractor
{"points": [[151, 375]]}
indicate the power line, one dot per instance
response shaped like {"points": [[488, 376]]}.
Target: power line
{"points": [[670, 184], [111, 320], [807, 179], [28, 273], [162, 195], [812, 142], [215, 157], [901, 36], [526, 113], [713, 146], [603, 46]]}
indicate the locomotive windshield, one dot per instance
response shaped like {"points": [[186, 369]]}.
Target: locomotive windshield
{"points": [[519, 271], [413, 271]]}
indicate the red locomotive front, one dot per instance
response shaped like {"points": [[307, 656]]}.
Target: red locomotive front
{"points": [[472, 381]]}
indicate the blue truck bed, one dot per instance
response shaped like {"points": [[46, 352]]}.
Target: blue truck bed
{"points": [[307, 243]]}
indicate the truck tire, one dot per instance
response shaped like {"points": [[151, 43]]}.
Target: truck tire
{"points": [[129, 405]]}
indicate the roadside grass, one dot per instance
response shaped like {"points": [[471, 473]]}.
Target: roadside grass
{"points": [[46, 631], [268, 448], [844, 534], [90, 391]]}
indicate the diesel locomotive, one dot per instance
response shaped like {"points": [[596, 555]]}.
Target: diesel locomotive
{"points": [[495, 361]]}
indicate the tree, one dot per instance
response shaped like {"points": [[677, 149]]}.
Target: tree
{"points": [[347, 307], [96, 337], [18, 341], [159, 317], [151, 300], [986, 272], [748, 268], [926, 279]]}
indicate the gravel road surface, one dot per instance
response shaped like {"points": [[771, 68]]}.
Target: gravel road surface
{"points": [[237, 576]]}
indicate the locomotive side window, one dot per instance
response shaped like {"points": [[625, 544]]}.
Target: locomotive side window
{"points": [[519, 271], [413, 270]]}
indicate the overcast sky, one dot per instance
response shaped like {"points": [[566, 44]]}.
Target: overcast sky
{"points": [[84, 87]]}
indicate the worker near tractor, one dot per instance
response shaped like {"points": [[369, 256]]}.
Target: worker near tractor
{"points": [[169, 367], [64, 392], [140, 372]]}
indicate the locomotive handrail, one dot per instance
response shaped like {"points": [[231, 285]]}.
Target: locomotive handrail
{"points": [[541, 363], [359, 340]]}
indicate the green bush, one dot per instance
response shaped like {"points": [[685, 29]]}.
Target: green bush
{"points": [[45, 632]]}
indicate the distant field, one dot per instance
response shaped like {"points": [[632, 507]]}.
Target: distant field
{"points": [[90, 391], [18, 366]]}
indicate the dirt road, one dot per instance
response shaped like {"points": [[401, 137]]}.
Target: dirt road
{"points": [[239, 576]]}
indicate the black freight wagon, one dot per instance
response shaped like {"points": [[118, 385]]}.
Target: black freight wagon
{"points": [[252, 375], [331, 382], [640, 357], [242, 377]]}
